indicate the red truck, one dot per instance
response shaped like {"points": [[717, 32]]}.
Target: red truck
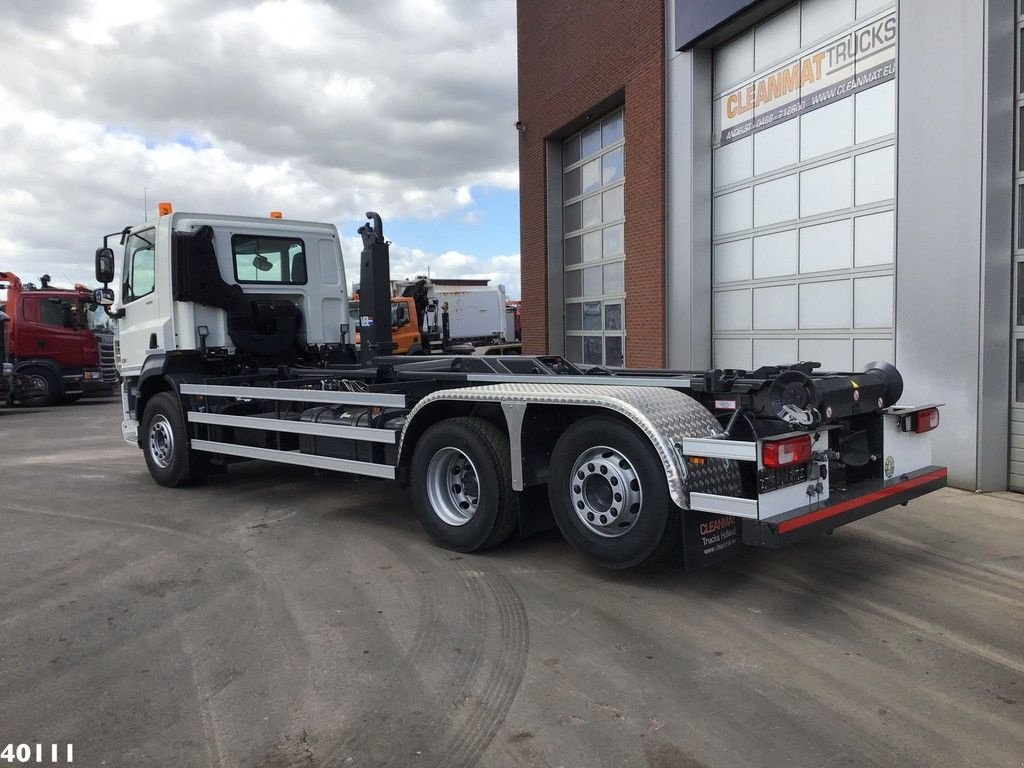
{"points": [[58, 345]]}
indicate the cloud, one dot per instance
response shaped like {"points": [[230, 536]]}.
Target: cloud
{"points": [[321, 110]]}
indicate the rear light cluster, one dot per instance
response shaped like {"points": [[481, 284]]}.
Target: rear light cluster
{"points": [[785, 453], [921, 421]]}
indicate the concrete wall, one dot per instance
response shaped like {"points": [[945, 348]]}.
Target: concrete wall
{"points": [[953, 238], [688, 202]]}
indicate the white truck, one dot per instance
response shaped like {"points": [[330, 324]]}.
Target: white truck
{"points": [[232, 345], [454, 312]]}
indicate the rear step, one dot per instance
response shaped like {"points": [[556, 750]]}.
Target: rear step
{"points": [[863, 499]]}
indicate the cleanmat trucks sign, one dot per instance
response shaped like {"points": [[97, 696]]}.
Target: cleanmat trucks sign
{"points": [[852, 61]]}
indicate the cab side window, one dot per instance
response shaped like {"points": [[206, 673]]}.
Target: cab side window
{"points": [[139, 274], [58, 312]]}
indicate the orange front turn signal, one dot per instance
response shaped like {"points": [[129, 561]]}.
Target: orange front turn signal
{"points": [[164, 209]]}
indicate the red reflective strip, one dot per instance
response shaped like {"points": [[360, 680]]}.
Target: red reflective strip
{"points": [[846, 506]]}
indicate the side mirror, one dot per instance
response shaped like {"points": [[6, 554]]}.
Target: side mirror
{"points": [[104, 266], [103, 297]]}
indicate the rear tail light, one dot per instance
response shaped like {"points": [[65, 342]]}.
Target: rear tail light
{"points": [[784, 453], [922, 421]]}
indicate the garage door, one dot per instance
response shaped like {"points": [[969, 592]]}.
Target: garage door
{"points": [[1016, 481], [804, 188]]}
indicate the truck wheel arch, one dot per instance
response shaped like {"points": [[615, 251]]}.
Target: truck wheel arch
{"points": [[51, 366], [544, 415]]}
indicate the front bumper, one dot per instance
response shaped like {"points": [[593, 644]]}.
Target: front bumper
{"points": [[865, 498]]}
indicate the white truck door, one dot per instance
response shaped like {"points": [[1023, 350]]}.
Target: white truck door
{"points": [[141, 330]]}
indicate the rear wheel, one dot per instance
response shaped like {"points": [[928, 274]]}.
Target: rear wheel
{"points": [[165, 444], [609, 495], [462, 484], [41, 387]]}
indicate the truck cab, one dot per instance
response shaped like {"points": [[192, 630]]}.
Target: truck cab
{"points": [[407, 337], [56, 342]]}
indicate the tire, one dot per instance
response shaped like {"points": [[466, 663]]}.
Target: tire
{"points": [[609, 494], [46, 387], [165, 444], [478, 513]]}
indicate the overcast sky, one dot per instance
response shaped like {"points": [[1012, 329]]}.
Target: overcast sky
{"points": [[322, 110]]}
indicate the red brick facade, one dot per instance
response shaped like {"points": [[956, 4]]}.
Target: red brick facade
{"points": [[572, 57]]}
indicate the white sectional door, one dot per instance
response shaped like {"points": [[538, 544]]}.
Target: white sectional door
{"points": [[804, 151]]}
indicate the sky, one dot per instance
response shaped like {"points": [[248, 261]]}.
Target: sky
{"points": [[321, 110]]}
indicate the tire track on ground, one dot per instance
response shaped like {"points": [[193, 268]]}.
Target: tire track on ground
{"points": [[506, 676]]}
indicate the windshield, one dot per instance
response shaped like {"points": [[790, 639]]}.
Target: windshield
{"points": [[398, 314], [97, 320]]}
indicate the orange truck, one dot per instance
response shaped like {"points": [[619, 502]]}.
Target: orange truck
{"points": [[405, 333]]}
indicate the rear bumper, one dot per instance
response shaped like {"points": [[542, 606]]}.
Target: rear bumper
{"points": [[864, 499]]}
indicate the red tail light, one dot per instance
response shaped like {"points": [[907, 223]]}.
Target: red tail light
{"points": [[926, 420], [783, 453]]}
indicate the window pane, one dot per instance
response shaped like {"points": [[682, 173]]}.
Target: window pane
{"points": [[571, 184], [53, 311], [592, 281], [613, 317], [591, 140], [1020, 293], [611, 167], [573, 283], [1020, 216], [613, 204], [1020, 371], [268, 260], [571, 217], [613, 240], [614, 279], [591, 176], [1020, 71], [613, 351], [611, 129], [137, 278], [592, 211], [592, 350], [1020, 139], [573, 317], [592, 246], [592, 316], [143, 272], [572, 251], [574, 349], [570, 151]]}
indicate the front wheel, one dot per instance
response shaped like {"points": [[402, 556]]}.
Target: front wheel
{"points": [[42, 387], [165, 444], [609, 494], [462, 484]]}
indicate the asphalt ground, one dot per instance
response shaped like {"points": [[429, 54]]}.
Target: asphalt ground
{"points": [[274, 617]]}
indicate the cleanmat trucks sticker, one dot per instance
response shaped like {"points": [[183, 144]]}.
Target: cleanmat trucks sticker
{"points": [[850, 62]]}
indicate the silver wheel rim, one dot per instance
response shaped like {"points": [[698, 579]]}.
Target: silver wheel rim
{"points": [[453, 486], [605, 492], [40, 387], [161, 441]]}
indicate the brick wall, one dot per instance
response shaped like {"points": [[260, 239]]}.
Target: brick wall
{"points": [[572, 57]]}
